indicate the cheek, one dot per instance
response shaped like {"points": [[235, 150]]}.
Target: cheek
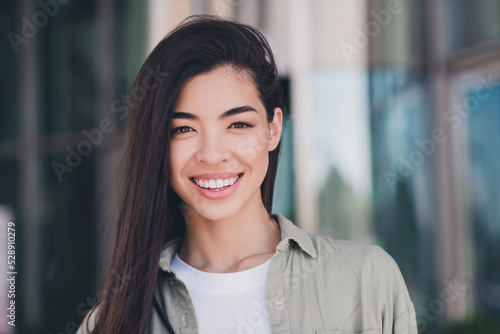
{"points": [[179, 156], [253, 149]]}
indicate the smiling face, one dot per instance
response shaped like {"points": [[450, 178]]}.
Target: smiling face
{"points": [[220, 143]]}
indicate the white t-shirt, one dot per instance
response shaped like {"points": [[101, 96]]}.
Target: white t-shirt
{"points": [[227, 303]]}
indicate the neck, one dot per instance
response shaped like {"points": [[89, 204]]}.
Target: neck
{"points": [[236, 243]]}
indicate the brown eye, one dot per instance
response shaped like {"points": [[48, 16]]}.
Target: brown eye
{"points": [[240, 125], [183, 129]]}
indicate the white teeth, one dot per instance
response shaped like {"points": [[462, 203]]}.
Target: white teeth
{"points": [[216, 183]]}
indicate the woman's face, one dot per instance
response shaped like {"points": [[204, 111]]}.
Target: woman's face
{"points": [[220, 143]]}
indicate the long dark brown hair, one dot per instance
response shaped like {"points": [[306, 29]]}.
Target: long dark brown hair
{"points": [[149, 212]]}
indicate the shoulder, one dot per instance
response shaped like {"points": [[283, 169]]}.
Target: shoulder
{"points": [[338, 257], [367, 267], [352, 255], [363, 259], [358, 253]]}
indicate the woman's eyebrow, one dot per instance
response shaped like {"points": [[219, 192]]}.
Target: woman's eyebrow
{"points": [[224, 115], [235, 111], [184, 115]]}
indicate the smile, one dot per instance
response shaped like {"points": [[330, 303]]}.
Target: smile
{"points": [[216, 184]]}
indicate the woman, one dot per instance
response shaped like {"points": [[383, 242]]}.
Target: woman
{"points": [[197, 248]]}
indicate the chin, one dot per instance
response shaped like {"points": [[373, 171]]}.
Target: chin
{"points": [[215, 212]]}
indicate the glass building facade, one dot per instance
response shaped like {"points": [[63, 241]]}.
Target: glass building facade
{"points": [[434, 86], [65, 66]]}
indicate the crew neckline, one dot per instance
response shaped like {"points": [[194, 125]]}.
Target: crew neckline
{"points": [[216, 282]]}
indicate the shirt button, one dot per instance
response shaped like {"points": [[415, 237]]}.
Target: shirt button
{"points": [[279, 305]]}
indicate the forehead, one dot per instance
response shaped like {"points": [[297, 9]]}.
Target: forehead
{"points": [[217, 91]]}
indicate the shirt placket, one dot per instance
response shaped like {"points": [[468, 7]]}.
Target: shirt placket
{"points": [[275, 294], [180, 308]]}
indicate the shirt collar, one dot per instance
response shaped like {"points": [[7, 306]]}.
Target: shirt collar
{"points": [[289, 231]]}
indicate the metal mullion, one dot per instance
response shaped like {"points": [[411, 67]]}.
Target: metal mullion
{"points": [[30, 176]]}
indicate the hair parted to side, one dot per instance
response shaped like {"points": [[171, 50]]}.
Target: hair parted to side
{"points": [[149, 210]]}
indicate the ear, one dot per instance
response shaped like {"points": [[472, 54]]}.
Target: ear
{"points": [[275, 128]]}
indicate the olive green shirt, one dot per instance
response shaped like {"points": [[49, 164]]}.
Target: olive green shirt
{"points": [[314, 285]]}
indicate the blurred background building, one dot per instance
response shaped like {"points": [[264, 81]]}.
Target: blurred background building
{"points": [[392, 137]]}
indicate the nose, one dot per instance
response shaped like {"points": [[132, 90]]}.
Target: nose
{"points": [[213, 149]]}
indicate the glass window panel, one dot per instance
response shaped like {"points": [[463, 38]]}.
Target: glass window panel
{"points": [[284, 187], [10, 19], [471, 23], [484, 192], [403, 175], [283, 199], [400, 37], [129, 51], [69, 68], [68, 226], [340, 149]]}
